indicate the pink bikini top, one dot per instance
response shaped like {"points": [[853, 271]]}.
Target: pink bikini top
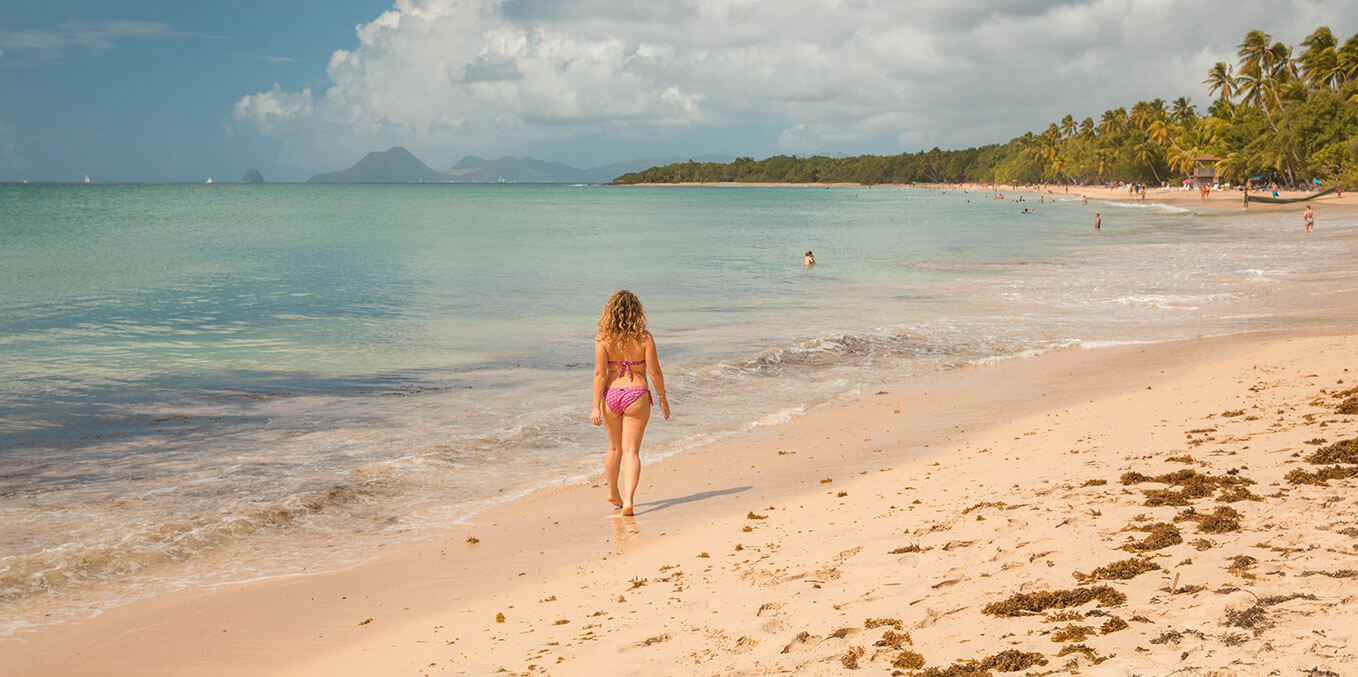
{"points": [[626, 367]]}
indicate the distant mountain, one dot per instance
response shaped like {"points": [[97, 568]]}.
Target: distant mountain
{"points": [[472, 169], [395, 165], [398, 165], [252, 175]]}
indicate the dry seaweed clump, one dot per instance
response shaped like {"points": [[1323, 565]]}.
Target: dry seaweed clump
{"points": [[1160, 535], [1250, 618], [986, 504], [1190, 484], [850, 659], [1023, 603], [1237, 493], [1321, 477], [1118, 571], [1011, 660], [1240, 565], [1219, 521], [1085, 651], [1113, 624], [909, 660], [1349, 406], [1073, 633], [894, 640], [905, 549], [1343, 451]]}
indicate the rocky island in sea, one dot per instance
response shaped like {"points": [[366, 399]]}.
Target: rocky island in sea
{"points": [[252, 175]]}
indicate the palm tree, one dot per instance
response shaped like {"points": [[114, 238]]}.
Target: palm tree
{"points": [[1347, 56], [1182, 110], [1067, 126], [1221, 79], [1087, 127], [1113, 121], [1252, 50], [1320, 60]]}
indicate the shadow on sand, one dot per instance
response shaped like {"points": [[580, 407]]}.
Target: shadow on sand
{"points": [[700, 496]]}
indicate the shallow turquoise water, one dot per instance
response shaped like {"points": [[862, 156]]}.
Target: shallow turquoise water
{"points": [[192, 373]]}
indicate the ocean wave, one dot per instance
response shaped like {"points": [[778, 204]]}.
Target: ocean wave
{"points": [[1152, 205], [828, 351], [125, 549]]}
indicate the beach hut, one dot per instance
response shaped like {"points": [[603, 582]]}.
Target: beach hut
{"points": [[1205, 170]]}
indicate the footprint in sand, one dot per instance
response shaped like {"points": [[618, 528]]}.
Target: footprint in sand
{"points": [[649, 641], [802, 642]]}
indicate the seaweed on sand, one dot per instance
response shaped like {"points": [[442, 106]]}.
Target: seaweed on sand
{"points": [[1085, 651], [1023, 603], [1160, 535], [1113, 624], [1343, 451], [894, 640], [850, 659], [1219, 521], [1250, 618], [1188, 485], [910, 660], [1073, 633], [1118, 571], [1321, 477], [913, 547], [1011, 660], [1237, 493]]}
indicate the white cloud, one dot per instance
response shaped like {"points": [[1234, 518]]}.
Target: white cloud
{"points": [[79, 34], [463, 75], [273, 110]]}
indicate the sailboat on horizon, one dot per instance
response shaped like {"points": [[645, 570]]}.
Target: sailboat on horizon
{"points": [[87, 178]]}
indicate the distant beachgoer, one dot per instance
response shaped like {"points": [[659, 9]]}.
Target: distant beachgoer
{"points": [[1084, 200], [809, 260], [1339, 189], [1275, 189], [623, 342], [1310, 216], [1098, 222]]}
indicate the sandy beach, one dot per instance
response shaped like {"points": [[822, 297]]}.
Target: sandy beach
{"points": [[1217, 201], [1132, 508]]}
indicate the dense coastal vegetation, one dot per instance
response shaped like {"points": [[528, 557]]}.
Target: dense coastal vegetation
{"points": [[1278, 115]]}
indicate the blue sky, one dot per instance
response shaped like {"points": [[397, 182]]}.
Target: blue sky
{"points": [[185, 90], [148, 102]]}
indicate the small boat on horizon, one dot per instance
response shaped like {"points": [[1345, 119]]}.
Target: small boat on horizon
{"points": [[209, 180], [87, 178]]}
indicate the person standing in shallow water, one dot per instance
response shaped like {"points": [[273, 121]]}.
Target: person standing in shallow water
{"points": [[1097, 222], [809, 260], [624, 354], [1310, 217]]}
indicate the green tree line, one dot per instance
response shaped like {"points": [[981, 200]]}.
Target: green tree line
{"points": [[1285, 116]]}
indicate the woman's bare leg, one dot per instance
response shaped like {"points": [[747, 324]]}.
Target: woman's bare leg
{"points": [[633, 427], [613, 457]]}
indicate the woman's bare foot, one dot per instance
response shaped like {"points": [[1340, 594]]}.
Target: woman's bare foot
{"points": [[626, 510], [616, 500]]}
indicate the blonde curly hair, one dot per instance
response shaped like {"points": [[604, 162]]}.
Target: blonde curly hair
{"points": [[623, 317]]}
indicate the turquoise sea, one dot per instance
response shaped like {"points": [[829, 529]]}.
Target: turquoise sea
{"points": [[201, 384]]}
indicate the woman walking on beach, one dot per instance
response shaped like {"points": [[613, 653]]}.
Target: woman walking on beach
{"points": [[624, 353]]}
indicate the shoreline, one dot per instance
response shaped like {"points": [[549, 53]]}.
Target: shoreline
{"points": [[1217, 202], [315, 623]]}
